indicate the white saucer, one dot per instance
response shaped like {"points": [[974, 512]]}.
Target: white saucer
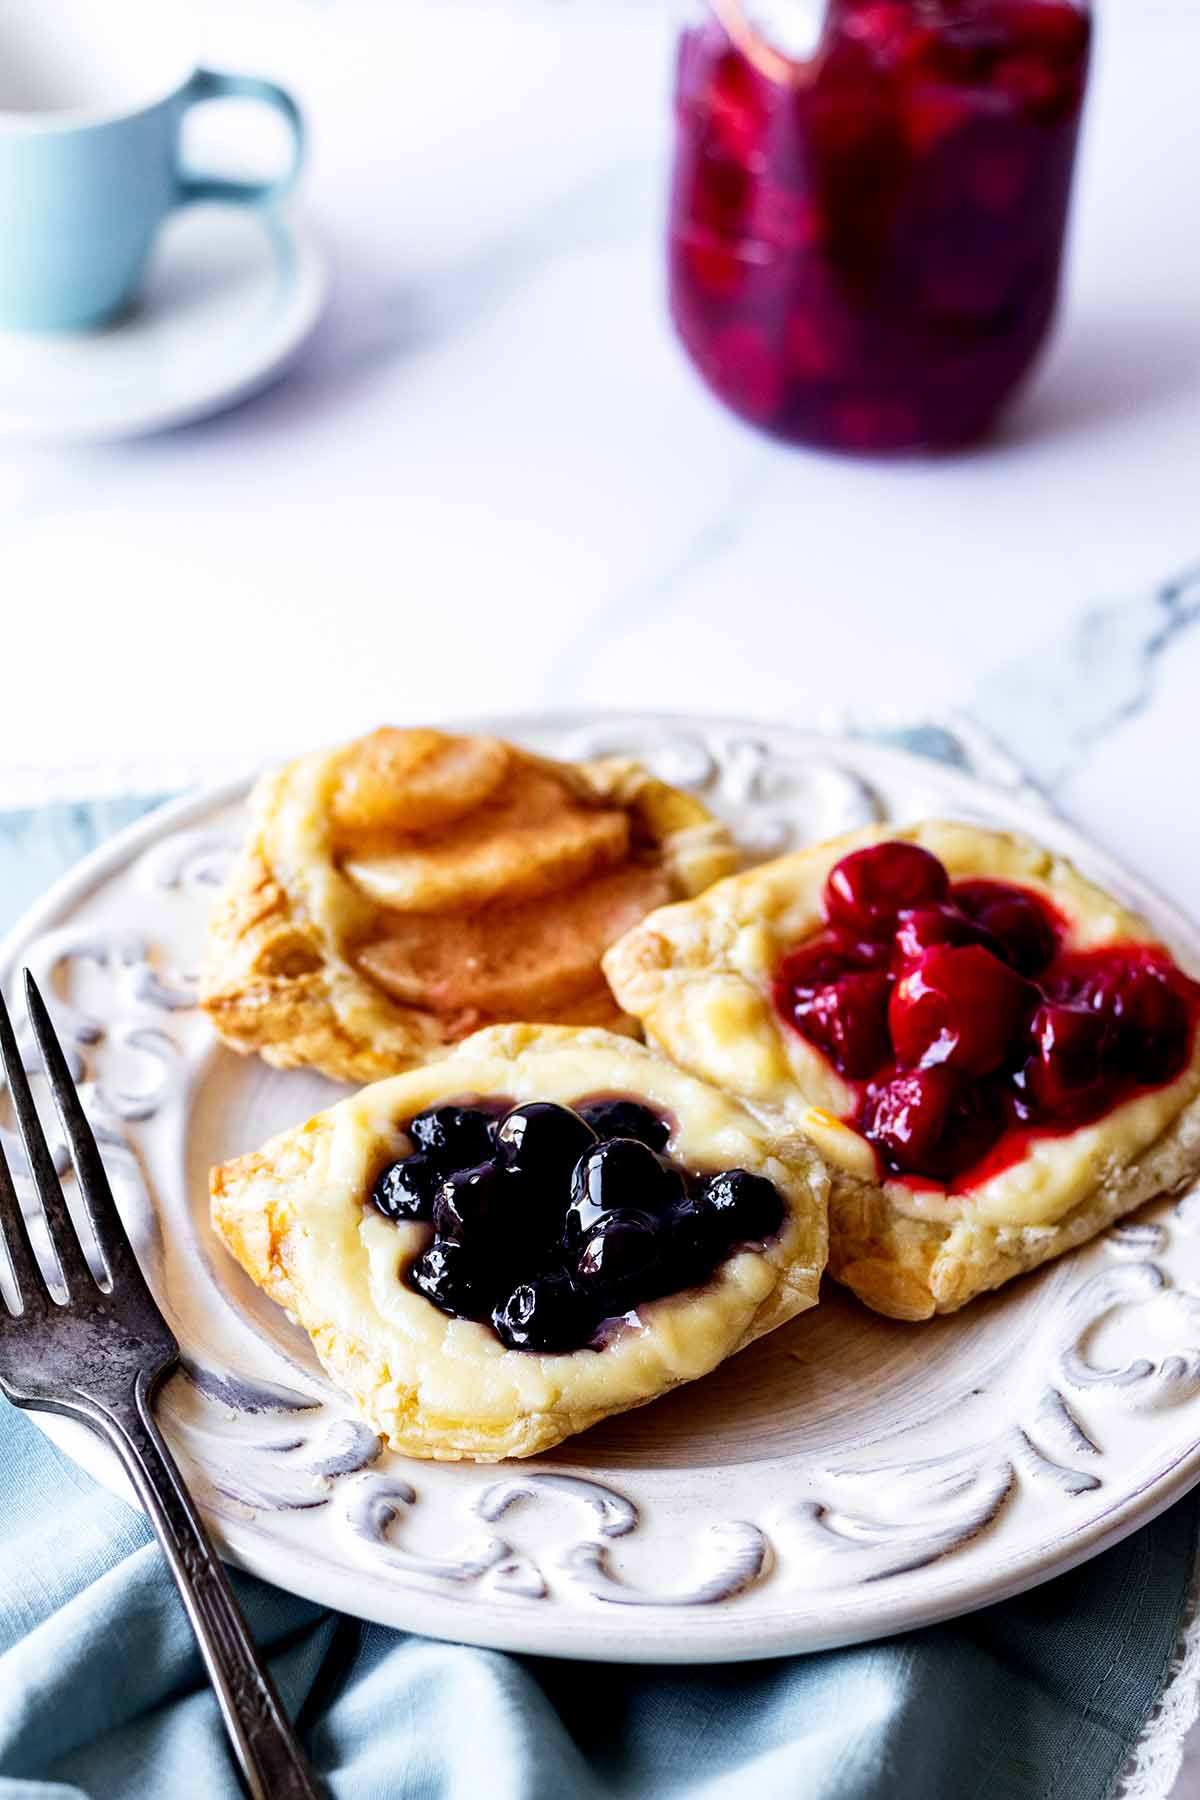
{"points": [[232, 295]]}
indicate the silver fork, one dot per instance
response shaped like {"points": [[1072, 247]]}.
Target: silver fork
{"points": [[100, 1358]]}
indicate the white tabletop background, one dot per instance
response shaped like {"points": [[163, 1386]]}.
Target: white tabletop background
{"points": [[494, 482]]}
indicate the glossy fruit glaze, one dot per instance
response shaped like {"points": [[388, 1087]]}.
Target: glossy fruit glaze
{"points": [[964, 1025], [865, 246], [547, 1220]]}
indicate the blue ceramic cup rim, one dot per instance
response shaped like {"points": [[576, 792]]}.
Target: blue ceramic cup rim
{"points": [[168, 62]]}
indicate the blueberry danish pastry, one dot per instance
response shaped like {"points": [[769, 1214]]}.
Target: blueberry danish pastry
{"points": [[550, 1225]]}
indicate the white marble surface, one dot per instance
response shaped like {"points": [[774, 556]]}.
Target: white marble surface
{"points": [[494, 483]]}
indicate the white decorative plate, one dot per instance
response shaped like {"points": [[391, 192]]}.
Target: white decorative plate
{"points": [[847, 1477], [232, 295]]}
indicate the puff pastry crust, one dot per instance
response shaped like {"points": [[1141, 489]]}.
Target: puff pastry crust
{"points": [[698, 977], [293, 1215], [401, 892]]}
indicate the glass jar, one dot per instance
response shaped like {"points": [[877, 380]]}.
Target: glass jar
{"points": [[866, 237]]}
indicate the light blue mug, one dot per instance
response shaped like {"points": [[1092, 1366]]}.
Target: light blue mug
{"points": [[93, 95]]}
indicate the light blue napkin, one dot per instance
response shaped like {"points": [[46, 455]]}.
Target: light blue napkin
{"points": [[102, 1692]]}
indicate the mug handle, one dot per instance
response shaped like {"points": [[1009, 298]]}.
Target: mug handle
{"points": [[210, 84]]}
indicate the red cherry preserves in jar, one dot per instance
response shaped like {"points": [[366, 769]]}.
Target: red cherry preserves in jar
{"points": [[866, 239]]}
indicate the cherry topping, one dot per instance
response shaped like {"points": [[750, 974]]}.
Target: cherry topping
{"points": [[1021, 925], [823, 961], [868, 889], [1068, 1076], [931, 1122], [1143, 1005], [1152, 1024], [919, 928], [848, 1020], [960, 1006], [907, 1117], [963, 1022]]}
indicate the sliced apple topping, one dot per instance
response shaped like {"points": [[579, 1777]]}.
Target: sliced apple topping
{"points": [[533, 837]]}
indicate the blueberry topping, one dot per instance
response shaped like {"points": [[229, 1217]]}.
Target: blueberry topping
{"points": [[615, 1174], [452, 1137], [748, 1206], [547, 1220], [548, 1313], [544, 1141], [695, 1227], [620, 1257], [452, 1276], [406, 1190], [469, 1204], [626, 1119]]}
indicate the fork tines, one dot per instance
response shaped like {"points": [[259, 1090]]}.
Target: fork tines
{"points": [[93, 1182]]}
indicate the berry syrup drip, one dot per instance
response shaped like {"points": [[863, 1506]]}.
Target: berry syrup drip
{"points": [[866, 256], [547, 1219], [964, 1025]]}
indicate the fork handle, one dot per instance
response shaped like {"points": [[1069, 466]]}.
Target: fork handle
{"points": [[272, 1763]]}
